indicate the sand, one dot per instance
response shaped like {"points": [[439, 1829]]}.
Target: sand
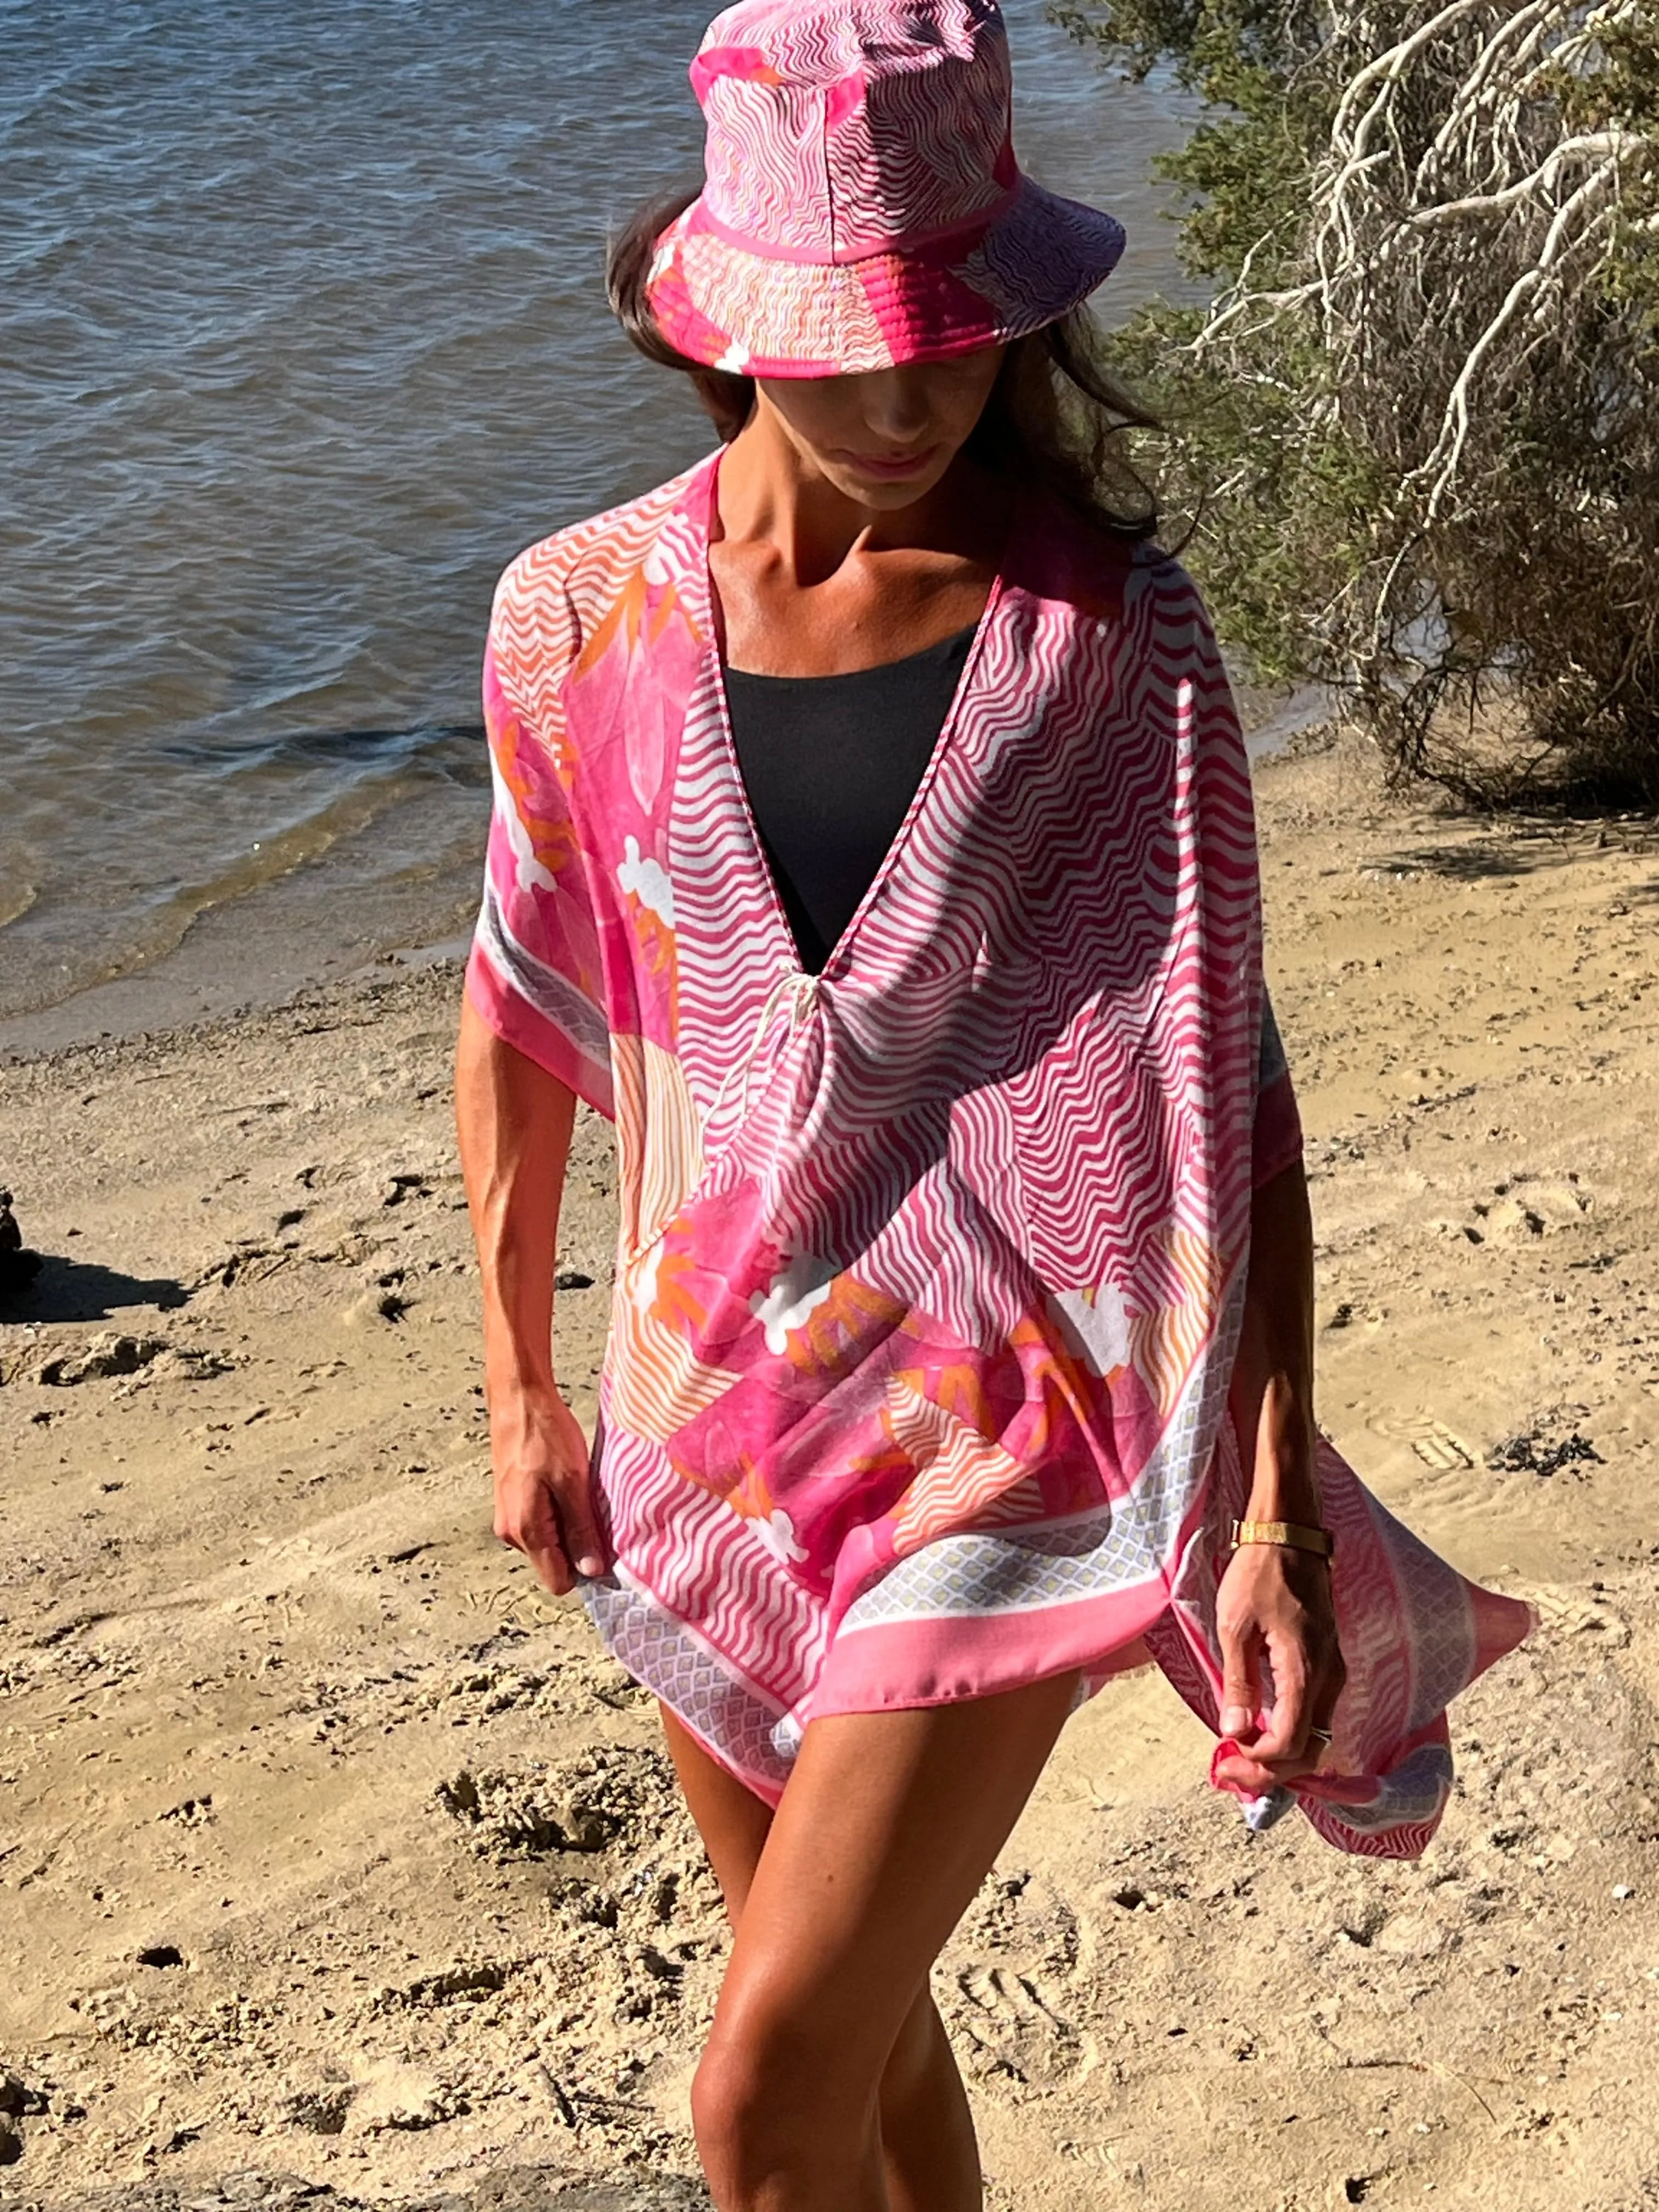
{"points": [[339, 1865]]}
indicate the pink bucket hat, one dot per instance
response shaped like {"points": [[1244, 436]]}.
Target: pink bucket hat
{"points": [[862, 206]]}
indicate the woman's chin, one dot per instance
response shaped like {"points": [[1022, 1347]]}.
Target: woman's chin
{"points": [[882, 494]]}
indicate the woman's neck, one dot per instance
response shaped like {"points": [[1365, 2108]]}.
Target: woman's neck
{"points": [[772, 495]]}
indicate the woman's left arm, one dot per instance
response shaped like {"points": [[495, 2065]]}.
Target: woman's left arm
{"points": [[1274, 1603]]}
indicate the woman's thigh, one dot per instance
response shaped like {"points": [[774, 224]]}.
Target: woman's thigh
{"points": [[732, 1820], [888, 1825]]}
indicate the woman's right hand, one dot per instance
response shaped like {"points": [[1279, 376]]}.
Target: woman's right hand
{"points": [[544, 1490], [513, 1121]]}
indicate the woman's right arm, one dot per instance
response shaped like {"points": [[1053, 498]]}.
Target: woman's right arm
{"points": [[513, 1121]]}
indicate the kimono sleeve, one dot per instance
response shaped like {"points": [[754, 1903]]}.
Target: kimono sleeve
{"points": [[535, 974], [1277, 1143], [1276, 1136]]}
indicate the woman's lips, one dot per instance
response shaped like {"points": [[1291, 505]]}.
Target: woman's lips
{"points": [[893, 468]]}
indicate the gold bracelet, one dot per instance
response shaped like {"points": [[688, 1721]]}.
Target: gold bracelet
{"points": [[1293, 1534]]}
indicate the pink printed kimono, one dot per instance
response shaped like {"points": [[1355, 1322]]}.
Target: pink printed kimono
{"points": [[930, 1268]]}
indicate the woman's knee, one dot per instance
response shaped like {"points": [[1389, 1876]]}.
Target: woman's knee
{"points": [[920, 2052], [770, 2104]]}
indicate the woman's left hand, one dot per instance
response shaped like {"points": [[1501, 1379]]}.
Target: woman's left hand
{"points": [[1274, 1618]]}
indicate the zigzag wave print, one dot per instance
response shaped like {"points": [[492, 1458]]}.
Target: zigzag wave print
{"points": [[932, 1266], [832, 129]]}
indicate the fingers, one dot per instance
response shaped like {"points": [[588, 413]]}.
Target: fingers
{"points": [[579, 1527], [1276, 1753], [1241, 1687], [549, 1516], [1285, 1731], [552, 1568], [1277, 1633], [1277, 1596], [1249, 1776], [1309, 1662], [1295, 1737], [530, 1525]]}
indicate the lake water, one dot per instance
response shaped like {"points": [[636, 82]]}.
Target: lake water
{"points": [[303, 336]]}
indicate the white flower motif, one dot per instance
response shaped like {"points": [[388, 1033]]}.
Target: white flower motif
{"points": [[528, 871], [645, 1279], [735, 360], [1100, 1323], [648, 880], [777, 1533], [804, 1284]]}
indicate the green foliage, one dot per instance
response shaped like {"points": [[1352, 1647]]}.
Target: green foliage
{"points": [[1270, 116], [1244, 460], [1418, 429], [1625, 93]]}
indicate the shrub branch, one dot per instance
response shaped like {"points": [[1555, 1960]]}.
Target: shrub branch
{"points": [[1426, 379]]}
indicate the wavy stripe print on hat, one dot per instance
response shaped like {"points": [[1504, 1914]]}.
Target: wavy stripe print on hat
{"points": [[863, 206]]}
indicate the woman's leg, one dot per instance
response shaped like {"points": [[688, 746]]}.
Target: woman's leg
{"points": [[888, 1825], [927, 2132], [732, 1820]]}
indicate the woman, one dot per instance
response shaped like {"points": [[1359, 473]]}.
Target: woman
{"points": [[872, 841]]}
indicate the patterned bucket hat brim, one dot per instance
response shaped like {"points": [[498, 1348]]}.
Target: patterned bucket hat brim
{"points": [[862, 207]]}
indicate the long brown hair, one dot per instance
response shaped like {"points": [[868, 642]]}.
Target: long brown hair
{"points": [[1055, 412]]}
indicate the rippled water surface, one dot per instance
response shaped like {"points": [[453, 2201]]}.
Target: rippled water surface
{"points": [[303, 336]]}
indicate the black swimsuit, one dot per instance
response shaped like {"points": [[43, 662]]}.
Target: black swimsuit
{"points": [[830, 764]]}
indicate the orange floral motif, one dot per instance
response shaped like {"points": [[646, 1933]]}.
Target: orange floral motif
{"points": [[957, 1387], [642, 652], [675, 1299], [840, 1333], [518, 760], [633, 618]]}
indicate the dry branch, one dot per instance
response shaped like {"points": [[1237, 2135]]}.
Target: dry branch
{"points": [[1467, 275]]}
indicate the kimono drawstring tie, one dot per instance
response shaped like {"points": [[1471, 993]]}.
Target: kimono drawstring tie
{"points": [[791, 989]]}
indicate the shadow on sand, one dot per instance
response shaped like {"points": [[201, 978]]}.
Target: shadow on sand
{"points": [[56, 1288]]}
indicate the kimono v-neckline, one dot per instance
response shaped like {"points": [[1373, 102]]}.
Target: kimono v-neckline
{"points": [[840, 955]]}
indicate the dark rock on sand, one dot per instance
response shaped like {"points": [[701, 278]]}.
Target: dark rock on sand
{"points": [[16, 2098], [18, 1266]]}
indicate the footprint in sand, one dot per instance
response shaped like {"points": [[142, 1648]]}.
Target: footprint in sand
{"points": [[1453, 1473], [1434, 1444], [1569, 1612], [1015, 2032]]}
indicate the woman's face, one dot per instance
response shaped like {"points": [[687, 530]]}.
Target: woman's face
{"points": [[885, 437]]}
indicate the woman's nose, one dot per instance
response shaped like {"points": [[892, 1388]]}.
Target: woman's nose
{"points": [[896, 405]]}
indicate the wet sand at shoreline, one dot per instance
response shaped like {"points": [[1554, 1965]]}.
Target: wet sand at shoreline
{"points": [[330, 1848]]}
